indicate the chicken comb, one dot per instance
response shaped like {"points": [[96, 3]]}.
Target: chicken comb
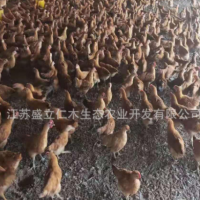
{"points": [[47, 152], [139, 175], [16, 114], [51, 121]]}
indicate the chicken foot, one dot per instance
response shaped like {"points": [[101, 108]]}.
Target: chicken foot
{"points": [[116, 154], [42, 158]]}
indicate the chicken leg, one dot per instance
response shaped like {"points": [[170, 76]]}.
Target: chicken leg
{"points": [[3, 196], [66, 152], [127, 198], [59, 196], [198, 165], [33, 163]]}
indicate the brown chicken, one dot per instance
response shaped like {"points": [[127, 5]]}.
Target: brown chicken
{"points": [[8, 174], [86, 84], [6, 127], [156, 101], [62, 123], [175, 141], [191, 125], [54, 176], [58, 146], [109, 127], [128, 181], [148, 76], [189, 102], [83, 74], [3, 62], [127, 106], [35, 104], [179, 108], [71, 105], [5, 107], [188, 82], [129, 80], [38, 81], [9, 159], [37, 92], [179, 80], [108, 93], [36, 144], [196, 150], [6, 92], [116, 141], [161, 82], [146, 106], [11, 62], [135, 88], [96, 107]]}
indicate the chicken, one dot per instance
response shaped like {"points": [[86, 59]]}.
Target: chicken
{"points": [[70, 105], [63, 76], [136, 87], [179, 80], [96, 107], [196, 150], [113, 71], [161, 82], [62, 123], [6, 127], [108, 94], [156, 101], [8, 174], [188, 81], [9, 159], [11, 61], [175, 141], [38, 81], [58, 146], [128, 181], [36, 144], [37, 92], [86, 84], [189, 102], [5, 107], [83, 74], [6, 92], [148, 76], [109, 60], [3, 62], [116, 141], [146, 106], [35, 104], [127, 106], [54, 176], [168, 71], [63, 37], [109, 127], [129, 80]]}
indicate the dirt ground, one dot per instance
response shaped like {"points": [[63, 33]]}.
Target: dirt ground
{"points": [[87, 172]]}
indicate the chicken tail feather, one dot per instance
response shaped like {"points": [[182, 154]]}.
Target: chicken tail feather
{"points": [[77, 83]]}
